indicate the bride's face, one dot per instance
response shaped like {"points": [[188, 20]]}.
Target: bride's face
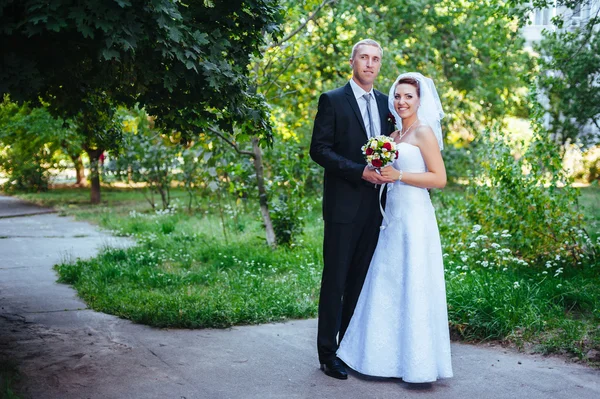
{"points": [[406, 100]]}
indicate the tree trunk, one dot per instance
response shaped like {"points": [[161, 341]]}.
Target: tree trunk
{"points": [[79, 171], [95, 175], [262, 193]]}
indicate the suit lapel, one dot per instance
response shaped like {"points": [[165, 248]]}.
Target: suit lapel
{"points": [[354, 105]]}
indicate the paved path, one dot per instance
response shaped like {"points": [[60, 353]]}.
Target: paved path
{"points": [[65, 350], [10, 208]]}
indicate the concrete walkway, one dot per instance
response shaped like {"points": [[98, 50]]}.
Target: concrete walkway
{"points": [[65, 350]]}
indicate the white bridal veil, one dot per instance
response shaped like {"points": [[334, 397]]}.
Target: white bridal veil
{"points": [[430, 112]]}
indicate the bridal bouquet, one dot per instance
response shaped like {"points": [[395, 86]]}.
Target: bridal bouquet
{"points": [[380, 151]]}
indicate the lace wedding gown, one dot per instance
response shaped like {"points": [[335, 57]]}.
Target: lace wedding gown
{"points": [[400, 324]]}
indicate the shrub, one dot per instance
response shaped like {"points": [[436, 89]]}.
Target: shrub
{"points": [[29, 141], [530, 197]]}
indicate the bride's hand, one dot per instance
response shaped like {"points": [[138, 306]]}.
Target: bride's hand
{"points": [[390, 173]]}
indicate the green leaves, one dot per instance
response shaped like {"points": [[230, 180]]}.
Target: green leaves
{"points": [[528, 196], [570, 66], [177, 59], [30, 139]]}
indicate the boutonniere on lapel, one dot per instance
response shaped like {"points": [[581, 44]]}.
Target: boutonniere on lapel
{"points": [[391, 119]]}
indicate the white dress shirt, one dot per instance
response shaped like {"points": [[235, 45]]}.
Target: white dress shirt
{"points": [[362, 106]]}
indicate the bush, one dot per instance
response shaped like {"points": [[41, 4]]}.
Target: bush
{"points": [[287, 219], [530, 197], [29, 141]]}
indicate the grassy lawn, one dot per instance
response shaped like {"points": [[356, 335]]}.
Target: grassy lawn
{"points": [[189, 271]]}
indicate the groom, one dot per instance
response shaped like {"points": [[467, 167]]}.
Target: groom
{"points": [[345, 119]]}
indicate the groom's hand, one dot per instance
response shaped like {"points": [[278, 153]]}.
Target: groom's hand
{"points": [[372, 176]]}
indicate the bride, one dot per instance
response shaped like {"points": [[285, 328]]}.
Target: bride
{"points": [[400, 325]]}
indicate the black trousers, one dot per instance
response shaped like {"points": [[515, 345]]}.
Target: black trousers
{"points": [[347, 252]]}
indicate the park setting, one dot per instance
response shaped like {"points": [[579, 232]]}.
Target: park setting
{"points": [[161, 211]]}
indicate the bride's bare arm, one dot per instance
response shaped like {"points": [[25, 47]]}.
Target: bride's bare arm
{"points": [[435, 177]]}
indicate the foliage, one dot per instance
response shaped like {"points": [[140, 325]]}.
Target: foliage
{"points": [[472, 50], [459, 162], [186, 63], [147, 157], [165, 54], [568, 68], [593, 168], [287, 222], [210, 170], [29, 141], [570, 84], [530, 197], [292, 177]]}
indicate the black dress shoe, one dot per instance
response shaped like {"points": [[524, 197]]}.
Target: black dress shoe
{"points": [[335, 368]]}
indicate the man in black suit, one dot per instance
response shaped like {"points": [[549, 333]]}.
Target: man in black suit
{"points": [[345, 119]]}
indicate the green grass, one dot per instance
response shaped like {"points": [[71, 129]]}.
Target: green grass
{"points": [[543, 313], [186, 271], [176, 277]]}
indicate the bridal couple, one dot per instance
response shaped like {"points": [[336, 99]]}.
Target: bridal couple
{"points": [[382, 306]]}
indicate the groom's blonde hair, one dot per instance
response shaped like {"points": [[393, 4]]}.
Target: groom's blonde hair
{"points": [[367, 42]]}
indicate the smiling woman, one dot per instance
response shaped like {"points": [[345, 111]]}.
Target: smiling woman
{"points": [[420, 128]]}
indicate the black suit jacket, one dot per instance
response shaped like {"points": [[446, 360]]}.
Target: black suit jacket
{"points": [[338, 135]]}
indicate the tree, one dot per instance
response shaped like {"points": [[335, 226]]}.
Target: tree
{"points": [[30, 140], [569, 80], [186, 63], [472, 50]]}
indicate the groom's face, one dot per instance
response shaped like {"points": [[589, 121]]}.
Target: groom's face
{"points": [[365, 65]]}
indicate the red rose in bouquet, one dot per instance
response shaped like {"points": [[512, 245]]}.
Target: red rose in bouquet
{"points": [[379, 151]]}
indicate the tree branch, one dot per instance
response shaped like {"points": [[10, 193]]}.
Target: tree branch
{"points": [[231, 143], [299, 28], [595, 122], [272, 81]]}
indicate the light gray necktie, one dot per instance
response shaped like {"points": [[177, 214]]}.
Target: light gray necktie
{"points": [[367, 97]]}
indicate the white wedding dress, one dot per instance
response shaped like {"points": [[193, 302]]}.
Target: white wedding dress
{"points": [[400, 324]]}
